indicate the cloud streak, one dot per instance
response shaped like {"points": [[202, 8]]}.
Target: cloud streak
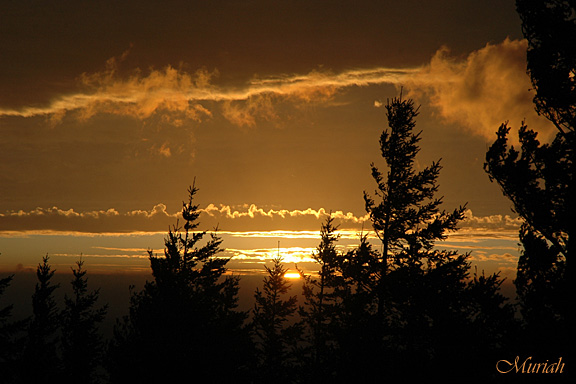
{"points": [[482, 91], [174, 90], [477, 92], [250, 218], [244, 221], [254, 211], [101, 221]]}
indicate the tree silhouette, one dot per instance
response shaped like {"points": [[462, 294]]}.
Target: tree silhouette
{"points": [[549, 27], [40, 362], [275, 339], [425, 303], [541, 290], [82, 344], [9, 340], [539, 177], [185, 320], [322, 310]]}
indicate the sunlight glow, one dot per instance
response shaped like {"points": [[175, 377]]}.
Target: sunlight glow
{"points": [[292, 275]]}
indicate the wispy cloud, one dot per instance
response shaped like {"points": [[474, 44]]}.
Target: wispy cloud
{"points": [[253, 211], [491, 222], [483, 90], [179, 94], [246, 221], [244, 218], [478, 92], [101, 221]]}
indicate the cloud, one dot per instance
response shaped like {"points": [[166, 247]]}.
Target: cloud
{"points": [[245, 218], [261, 255], [246, 113], [307, 216], [169, 92], [482, 91], [102, 221], [177, 95], [248, 220], [492, 222], [478, 92]]}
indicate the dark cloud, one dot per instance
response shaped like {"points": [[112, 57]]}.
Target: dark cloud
{"points": [[46, 46]]}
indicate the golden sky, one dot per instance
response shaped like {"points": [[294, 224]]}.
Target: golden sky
{"points": [[108, 110]]}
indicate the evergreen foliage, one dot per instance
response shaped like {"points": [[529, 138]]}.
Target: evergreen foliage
{"points": [[82, 344], [323, 311], [549, 26], [425, 304], [8, 337], [186, 318], [538, 178], [407, 218], [41, 362], [276, 339], [529, 175]]}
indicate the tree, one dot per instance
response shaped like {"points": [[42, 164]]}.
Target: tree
{"points": [[40, 362], [82, 345], [549, 26], [424, 302], [9, 347], [320, 301], [185, 320], [541, 289], [322, 307], [275, 339], [539, 177], [407, 219]]}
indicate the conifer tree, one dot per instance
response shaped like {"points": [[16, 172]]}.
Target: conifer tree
{"points": [[40, 362], [82, 345], [424, 304], [186, 319], [359, 333], [407, 218], [539, 178], [275, 338], [8, 332], [322, 307]]}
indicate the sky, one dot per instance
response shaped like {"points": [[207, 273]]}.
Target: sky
{"points": [[110, 110]]}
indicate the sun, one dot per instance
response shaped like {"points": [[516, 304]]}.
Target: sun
{"points": [[292, 275]]}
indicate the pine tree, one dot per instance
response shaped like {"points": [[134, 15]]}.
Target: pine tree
{"points": [[186, 318], [541, 287], [322, 307], [407, 219], [424, 303], [82, 345], [276, 339], [9, 330], [549, 27], [538, 177], [40, 361]]}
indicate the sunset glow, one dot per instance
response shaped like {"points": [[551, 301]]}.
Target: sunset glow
{"points": [[292, 275], [278, 124], [286, 191]]}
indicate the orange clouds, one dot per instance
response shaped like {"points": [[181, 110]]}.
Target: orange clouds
{"points": [[253, 211], [497, 222], [482, 91], [178, 95], [227, 218], [477, 92], [159, 219], [56, 219]]}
